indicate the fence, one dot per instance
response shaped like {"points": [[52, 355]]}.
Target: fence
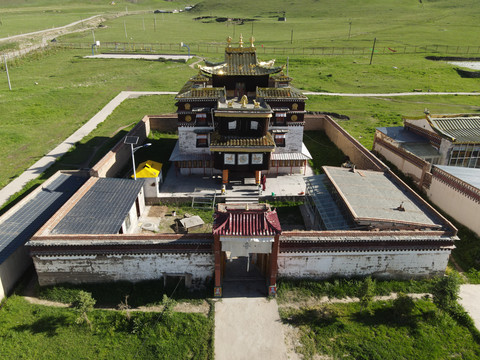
{"points": [[331, 50]]}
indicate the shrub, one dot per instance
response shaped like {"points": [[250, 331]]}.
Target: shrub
{"points": [[403, 305], [83, 304], [366, 292], [445, 291]]}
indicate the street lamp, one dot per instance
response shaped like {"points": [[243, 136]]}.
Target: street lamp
{"points": [[188, 47], [95, 45], [133, 140]]}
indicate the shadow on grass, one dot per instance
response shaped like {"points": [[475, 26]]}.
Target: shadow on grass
{"points": [[387, 316], [323, 316], [47, 325]]}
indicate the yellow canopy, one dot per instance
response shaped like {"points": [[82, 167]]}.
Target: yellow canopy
{"points": [[149, 169]]}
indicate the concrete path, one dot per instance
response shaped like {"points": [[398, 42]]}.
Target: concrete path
{"points": [[45, 162], [470, 300], [140, 57], [248, 328]]}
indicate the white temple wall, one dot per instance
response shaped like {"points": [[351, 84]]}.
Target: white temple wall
{"points": [[106, 268], [385, 264]]}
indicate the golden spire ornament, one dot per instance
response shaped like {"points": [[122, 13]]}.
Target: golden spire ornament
{"points": [[252, 39], [229, 41], [241, 41]]}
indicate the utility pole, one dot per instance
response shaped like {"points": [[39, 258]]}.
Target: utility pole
{"points": [[143, 24], [6, 69], [373, 49], [93, 34], [154, 22], [349, 29], [125, 27], [291, 37]]}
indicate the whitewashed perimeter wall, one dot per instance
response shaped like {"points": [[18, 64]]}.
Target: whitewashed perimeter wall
{"points": [[106, 268], [456, 204], [391, 264]]}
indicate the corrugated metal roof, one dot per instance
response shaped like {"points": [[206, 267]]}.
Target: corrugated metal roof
{"points": [[17, 229], [469, 175], [461, 129], [102, 209], [280, 93], [247, 223]]}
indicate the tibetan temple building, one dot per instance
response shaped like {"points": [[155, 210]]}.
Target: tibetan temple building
{"points": [[239, 118]]}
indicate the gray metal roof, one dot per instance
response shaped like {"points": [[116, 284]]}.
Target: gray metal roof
{"points": [[402, 135], [102, 209], [423, 150], [19, 226], [469, 175], [373, 196]]}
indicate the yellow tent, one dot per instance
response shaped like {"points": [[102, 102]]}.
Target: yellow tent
{"points": [[149, 169]]}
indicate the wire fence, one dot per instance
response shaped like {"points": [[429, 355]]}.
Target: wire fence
{"points": [[327, 50]]}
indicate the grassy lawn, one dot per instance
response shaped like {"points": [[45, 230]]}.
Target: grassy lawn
{"points": [[38, 332], [70, 90], [346, 331], [295, 290]]}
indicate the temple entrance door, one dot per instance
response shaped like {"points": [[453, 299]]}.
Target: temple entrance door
{"points": [[245, 275], [240, 89]]}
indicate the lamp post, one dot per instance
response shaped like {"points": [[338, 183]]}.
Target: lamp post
{"points": [[188, 47], [133, 140]]}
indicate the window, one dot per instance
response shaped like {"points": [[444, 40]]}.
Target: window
{"points": [[232, 125], [201, 119], [279, 140], [202, 140], [280, 118], [253, 125], [466, 156]]}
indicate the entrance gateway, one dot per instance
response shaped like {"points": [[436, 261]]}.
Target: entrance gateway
{"points": [[250, 231]]}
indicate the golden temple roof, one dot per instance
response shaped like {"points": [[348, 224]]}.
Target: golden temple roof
{"points": [[280, 93], [242, 144], [190, 92], [241, 61]]}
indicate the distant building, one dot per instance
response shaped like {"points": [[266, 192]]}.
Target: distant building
{"points": [[236, 119]]}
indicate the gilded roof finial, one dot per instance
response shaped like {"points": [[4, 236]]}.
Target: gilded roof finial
{"points": [[244, 101], [229, 41], [241, 41], [252, 39]]}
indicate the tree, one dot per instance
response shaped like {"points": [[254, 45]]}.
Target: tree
{"points": [[445, 291], [366, 292], [403, 305], [83, 304]]}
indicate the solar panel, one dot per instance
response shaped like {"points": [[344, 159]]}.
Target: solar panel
{"points": [[131, 140]]}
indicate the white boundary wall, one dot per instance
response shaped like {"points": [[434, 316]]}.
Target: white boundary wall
{"points": [[386, 264]]}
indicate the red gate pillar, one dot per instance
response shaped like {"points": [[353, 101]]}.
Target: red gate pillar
{"points": [[225, 177], [272, 284], [258, 175], [217, 291]]}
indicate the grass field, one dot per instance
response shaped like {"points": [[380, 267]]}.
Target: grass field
{"points": [[346, 331], [23, 16], [39, 332]]}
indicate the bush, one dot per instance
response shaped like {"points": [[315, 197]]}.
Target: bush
{"points": [[445, 291], [366, 292], [403, 305], [83, 304]]}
